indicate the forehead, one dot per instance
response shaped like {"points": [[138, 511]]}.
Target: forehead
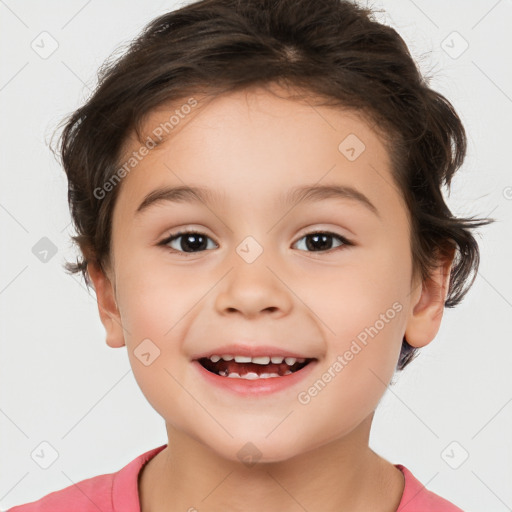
{"points": [[257, 142]]}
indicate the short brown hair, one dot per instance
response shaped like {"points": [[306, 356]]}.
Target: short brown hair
{"points": [[333, 50]]}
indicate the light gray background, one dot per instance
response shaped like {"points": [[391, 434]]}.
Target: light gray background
{"points": [[60, 382]]}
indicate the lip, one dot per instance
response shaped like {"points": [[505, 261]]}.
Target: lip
{"points": [[257, 387], [237, 349]]}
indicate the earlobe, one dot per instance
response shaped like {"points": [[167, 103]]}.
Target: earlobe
{"points": [[107, 306], [425, 317]]}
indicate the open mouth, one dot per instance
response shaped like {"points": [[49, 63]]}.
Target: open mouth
{"points": [[253, 368]]}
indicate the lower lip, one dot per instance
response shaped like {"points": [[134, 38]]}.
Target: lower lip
{"points": [[255, 387]]}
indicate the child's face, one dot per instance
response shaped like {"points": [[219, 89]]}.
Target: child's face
{"points": [[298, 295]]}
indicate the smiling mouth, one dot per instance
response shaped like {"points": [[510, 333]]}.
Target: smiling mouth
{"points": [[250, 370]]}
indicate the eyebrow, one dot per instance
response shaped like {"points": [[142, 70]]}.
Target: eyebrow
{"points": [[306, 193]]}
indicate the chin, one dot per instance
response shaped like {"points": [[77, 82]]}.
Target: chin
{"points": [[251, 449]]}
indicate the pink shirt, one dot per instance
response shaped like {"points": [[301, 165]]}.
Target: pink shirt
{"points": [[118, 492]]}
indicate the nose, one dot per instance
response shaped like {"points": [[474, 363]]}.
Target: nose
{"points": [[253, 288]]}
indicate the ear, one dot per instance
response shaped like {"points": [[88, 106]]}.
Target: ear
{"points": [[425, 318], [107, 306]]}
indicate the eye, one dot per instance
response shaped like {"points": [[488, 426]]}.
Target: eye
{"points": [[192, 241], [321, 239], [195, 241]]}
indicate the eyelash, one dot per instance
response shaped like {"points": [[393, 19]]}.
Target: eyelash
{"points": [[177, 235]]}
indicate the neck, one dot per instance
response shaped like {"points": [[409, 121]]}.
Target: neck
{"points": [[342, 475]]}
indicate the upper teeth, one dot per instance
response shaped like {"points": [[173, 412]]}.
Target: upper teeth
{"points": [[258, 360]]}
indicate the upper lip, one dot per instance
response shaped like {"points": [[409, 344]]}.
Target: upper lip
{"points": [[250, 351]]}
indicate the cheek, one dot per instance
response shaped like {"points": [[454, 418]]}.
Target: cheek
{"points": [[360, 359], [154, 314], [355, 297], [154, 299], [363, 311]]}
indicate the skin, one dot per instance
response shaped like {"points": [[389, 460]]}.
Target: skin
{"points": [[252, 146]]}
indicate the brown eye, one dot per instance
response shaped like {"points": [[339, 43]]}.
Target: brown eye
{"points": [[321, 241], [187, 241]]}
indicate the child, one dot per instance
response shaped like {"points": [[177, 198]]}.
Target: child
{"points": [[265, 129]]}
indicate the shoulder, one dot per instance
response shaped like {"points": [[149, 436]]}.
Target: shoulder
{"points": [[417, 498], [89, 495], [108, 492]]}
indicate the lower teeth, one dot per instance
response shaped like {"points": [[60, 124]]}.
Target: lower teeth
{"points": [[251, 375]]}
